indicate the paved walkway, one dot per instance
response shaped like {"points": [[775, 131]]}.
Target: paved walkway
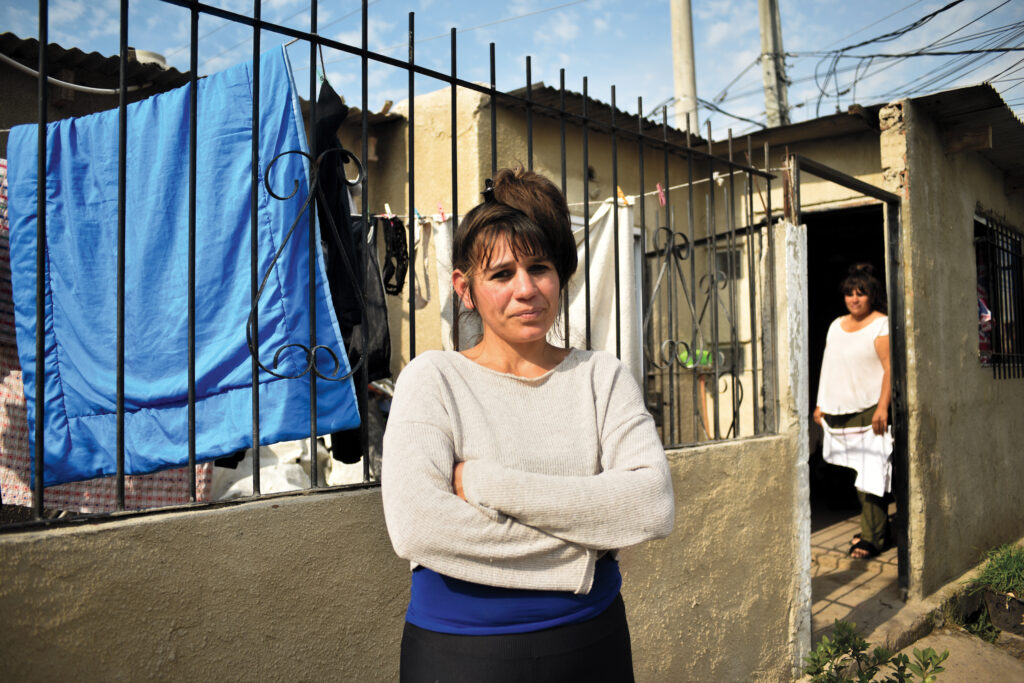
{"points": [[866, 593], [862, 592]]}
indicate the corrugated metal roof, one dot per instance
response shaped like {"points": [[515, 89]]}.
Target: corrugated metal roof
{"points": [[91, 68], [600, 113], [979, 105]]}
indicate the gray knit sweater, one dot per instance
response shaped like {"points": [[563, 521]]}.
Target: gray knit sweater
{"points": [[559, 469]]}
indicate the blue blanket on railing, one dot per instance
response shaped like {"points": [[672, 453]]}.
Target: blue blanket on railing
{"points": [[80, 323]]}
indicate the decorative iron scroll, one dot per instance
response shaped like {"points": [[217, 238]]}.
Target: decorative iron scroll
{"points": [[673, 248], [315, 191]]}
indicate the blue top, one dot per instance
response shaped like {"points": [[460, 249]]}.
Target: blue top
{"points": [[446, 605]]}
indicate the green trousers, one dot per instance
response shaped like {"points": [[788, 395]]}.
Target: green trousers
{"points": [[874, 519], [874, 513]]}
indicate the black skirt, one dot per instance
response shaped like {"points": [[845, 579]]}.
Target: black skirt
{"points": [[596, 650]]}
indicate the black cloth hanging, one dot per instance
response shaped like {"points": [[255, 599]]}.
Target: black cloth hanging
{"points": [[347, 446], [396, 255], [330, 113]]}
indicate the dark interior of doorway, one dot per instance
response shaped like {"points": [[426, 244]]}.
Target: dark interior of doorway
{"points": [[836, 239]]}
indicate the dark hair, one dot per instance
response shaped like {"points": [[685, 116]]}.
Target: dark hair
{"points": [[530, 212], [861, 278]]}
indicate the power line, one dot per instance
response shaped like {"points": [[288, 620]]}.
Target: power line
{"points": [[943, 53], [834, 58]]}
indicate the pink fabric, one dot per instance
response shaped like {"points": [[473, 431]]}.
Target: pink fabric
{"points": [[95, 495]]}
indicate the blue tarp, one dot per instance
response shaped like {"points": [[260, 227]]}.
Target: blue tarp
{"points": [[81, 276]]}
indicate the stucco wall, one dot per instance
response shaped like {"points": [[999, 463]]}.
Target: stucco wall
{"points": [[307, 587], [965, 429]]}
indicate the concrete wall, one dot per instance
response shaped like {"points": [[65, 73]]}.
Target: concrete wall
{"points": [[965, 429], [307, 587]]}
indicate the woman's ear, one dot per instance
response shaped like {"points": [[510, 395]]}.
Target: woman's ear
{"points": [[460, 281]]}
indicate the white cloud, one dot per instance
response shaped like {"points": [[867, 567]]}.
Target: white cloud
{"points": [[560, 28], [601, 24], [21, 22], [380, 34], [65, 12]]}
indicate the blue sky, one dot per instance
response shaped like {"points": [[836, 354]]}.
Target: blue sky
{"points": [[625, 43]]}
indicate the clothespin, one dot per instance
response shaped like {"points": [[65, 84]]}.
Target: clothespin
{"points": [[387, 207], [440, 209], [417, 212], [661, 195], [622, 196]]}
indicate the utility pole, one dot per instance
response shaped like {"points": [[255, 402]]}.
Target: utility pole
{"points": [[773, 67], [683, 65]]}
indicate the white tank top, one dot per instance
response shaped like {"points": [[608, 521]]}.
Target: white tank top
{"points": [[851, 373]]}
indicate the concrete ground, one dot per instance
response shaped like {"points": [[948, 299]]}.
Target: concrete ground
{"points": [[866, 593], [862, 592]]}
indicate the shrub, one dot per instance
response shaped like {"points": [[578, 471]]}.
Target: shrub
{"points": [[844, 658]]}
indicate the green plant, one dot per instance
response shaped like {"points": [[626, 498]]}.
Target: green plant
{"points": [[1003, 572], [844, 658], [979, 625]]}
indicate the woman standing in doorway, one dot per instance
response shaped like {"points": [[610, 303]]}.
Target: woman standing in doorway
{"points": [[853, 403], [514, 470]]}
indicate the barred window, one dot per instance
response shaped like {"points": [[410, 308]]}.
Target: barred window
{"points": [[998, 253]]}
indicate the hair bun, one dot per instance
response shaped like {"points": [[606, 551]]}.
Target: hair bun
{"points": [[861, 269]]}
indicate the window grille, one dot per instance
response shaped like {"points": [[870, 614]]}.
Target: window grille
{"points": [[999, 255]]}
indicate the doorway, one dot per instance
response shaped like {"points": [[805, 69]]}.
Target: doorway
{"points": [[836, 239]]}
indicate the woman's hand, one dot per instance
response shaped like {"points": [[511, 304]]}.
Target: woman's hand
{"points": [[818, 416], [457, 481], [880, 420]]}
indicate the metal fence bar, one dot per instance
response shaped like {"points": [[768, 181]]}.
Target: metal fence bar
{"points": [[713, 286], [494, 116], [313, 464], [411, 212], [756, 394], [40, 405], [732, 275], [586, 217], [122, 176], [455, 179], [642, 314], [561, 126], [254, 263], [364, 123], [771, 359], [193, 103], [670, 323], [696, 422], [615, 229], [529, 113]]}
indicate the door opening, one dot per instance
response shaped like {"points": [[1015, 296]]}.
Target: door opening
{"points": [[836, 240]]}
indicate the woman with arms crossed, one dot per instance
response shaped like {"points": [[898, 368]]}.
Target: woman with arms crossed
{"points": [[514, 470]]}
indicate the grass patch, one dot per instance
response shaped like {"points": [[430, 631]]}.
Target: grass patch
{"points": [[1003, 572]]}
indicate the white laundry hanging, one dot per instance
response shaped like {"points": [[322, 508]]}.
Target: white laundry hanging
{"points": [[860, 449]]}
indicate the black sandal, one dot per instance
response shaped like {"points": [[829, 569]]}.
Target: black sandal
{"points": [[869, 548]]}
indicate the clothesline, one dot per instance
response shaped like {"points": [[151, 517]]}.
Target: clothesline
{"points": [[656, 191], [645, 194]]}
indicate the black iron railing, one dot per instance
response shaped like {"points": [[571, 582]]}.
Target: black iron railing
{"points": [[707, 319], [999, 251]]}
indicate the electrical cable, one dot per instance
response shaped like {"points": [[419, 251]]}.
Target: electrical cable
{"points": [[831, 75]]}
